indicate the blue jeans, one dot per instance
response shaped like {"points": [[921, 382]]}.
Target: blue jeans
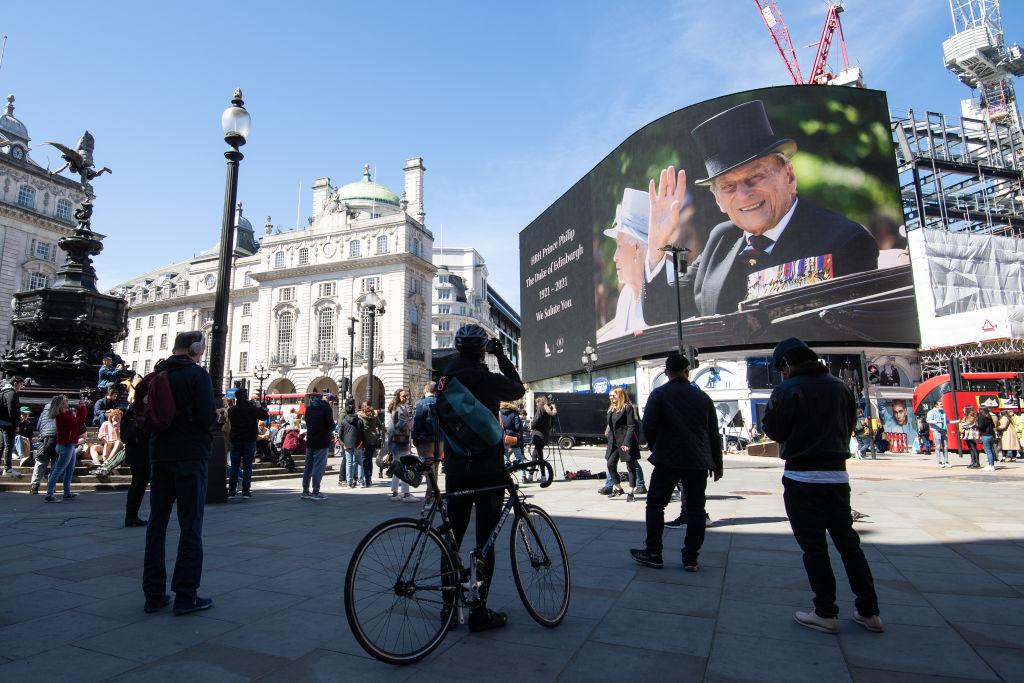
{"points": [[988, 443], [183, 482], [65, 466], [241, 453], [511, 451], [354, 465], [316, 463], [368, 453], [941, 450]]}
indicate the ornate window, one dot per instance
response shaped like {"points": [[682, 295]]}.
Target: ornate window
{"points": [[286, 294], [325, 333], [364, 332], [382, 244], [244, 336], [243, 361], [328, 289], [367, 282], [38, 280], [303, 256], [285, 324], [444, 293], [279, 259], [354, 248], [27, 196], [64, 209]]}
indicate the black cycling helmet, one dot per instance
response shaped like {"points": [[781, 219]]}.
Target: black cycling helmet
{"points": [[471, 339]]}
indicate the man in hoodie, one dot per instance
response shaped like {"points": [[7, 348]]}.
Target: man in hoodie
{"points": [[244, 418], [178, 475], [10, 415], [425, 433], [319, 432], [812, 414], [681, 426], [481, 469]]}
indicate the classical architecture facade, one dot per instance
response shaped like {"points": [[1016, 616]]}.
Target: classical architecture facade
{"points": [[36, 210], [296, 296]]}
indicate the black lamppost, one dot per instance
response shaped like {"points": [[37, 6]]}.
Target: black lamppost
{"points": [[589, 358], [235, 122], [373, 306], [261, 373], [676, 251], [352, 320]]}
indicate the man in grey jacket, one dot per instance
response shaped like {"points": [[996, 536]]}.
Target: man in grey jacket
{"points": [[681, 426]]}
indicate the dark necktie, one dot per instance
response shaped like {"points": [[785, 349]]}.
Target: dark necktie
{"points": [[756, 250]]}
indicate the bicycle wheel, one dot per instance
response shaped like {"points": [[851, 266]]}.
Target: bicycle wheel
{"points": [[401, 591], [540, 566]]}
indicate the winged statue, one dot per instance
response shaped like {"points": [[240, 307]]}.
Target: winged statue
{"points": [[80, 160]]}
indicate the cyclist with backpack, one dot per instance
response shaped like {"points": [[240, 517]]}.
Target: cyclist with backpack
{"points": [[178, 412], [483, 467]]}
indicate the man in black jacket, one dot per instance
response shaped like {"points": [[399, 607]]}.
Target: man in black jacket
{"points": [[681, 426], [812, 414], [10, 415], [244, 418], [319, 432], [178, 461], [481, 469]]}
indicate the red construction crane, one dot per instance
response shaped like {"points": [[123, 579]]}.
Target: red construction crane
{"points": [[819, 76]]}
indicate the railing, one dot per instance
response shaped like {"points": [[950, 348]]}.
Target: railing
{"points": [[324, 358], [414, 354], [279, 360], [362, 357]]}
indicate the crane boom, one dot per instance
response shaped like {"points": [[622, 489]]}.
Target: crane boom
{"points": [[818, 75], [780, 34]]}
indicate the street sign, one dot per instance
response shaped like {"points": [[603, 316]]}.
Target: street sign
{"points": [[600, 385], [230, 392]]}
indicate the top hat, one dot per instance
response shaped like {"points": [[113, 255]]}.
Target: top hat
{"points": [[735, 137], [632, 216]]}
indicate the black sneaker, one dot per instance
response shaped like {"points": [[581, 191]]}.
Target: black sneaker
{"points": [[647, 559], [134, 521], [677, 523], [641, 490], [156, 604], [484, 619], [196, 604], [605, 490], [616, 493]]}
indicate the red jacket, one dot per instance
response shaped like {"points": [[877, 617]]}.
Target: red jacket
{"points": [[68, 425]]}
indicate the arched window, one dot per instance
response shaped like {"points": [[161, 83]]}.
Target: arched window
{"points": [[354, 249], [285, 324], [27, 196], [64, 209], [303, 256], [279, 259], [382, 244], [325, 334], [37, 280], [364, 332]]}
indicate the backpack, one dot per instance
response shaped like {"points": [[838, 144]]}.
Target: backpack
{"points": [[470, 430], [428, 428], [130, 433], [154, 403]]}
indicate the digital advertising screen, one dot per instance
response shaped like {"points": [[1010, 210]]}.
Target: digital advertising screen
{"points": [[781, 206]]}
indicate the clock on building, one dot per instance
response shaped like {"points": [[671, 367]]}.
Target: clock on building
{"points": [[209, 281], [17, 152], [329, 249]]}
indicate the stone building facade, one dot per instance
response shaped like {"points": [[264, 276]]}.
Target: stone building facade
{"points": [[36, 210], [296, 296]]}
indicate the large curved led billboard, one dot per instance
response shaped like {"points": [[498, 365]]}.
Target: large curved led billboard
{"points": [[782, 205]]}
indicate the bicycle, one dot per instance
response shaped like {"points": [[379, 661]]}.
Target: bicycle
{"points": [[406, 583]]}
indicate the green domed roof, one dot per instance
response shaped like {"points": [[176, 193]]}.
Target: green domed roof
{"points": [[367, 190]]}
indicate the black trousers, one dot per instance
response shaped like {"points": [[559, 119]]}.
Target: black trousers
{"points": [[632, 465], [182, 483], [972, 446], [7, 437], [487, 504], [538, 446], [138, 462], [813, 510], [659, 493]]}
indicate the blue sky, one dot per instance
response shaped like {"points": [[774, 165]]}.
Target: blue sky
{"points": [[509, 104]]}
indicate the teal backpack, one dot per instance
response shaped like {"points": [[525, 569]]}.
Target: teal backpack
{"points": [[470, 430]]}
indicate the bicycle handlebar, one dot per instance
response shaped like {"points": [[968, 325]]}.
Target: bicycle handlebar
{"points": [[547, 476]]}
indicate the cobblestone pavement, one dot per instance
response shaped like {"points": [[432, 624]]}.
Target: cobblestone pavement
{"points": [[946, 548]]}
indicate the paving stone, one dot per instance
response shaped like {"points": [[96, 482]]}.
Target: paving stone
{"points": [[76, 663]]}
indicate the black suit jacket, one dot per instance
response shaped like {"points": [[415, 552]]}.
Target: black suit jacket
{"points": [[717, 280]]}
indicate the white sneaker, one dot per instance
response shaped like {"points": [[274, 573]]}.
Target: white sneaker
{"points": [[409, 498], [12, 473], [394, 497], [873, 624], [810, 619], [989, 468]]}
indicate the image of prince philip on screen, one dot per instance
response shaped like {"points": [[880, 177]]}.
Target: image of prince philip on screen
{"points": [[770, 225]]}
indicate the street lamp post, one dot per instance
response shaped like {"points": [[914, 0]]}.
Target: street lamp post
{"points": [[261, 373], [373, 306], [352, 320], [676, 251], [589, 358], [235, 122]]}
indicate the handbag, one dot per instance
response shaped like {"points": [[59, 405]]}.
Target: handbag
{"points": [[970, 433], [383, 459], [511, 440]]}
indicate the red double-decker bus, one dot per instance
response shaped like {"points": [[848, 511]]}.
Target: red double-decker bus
{"points": [[287, 405], [979, 389]]}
